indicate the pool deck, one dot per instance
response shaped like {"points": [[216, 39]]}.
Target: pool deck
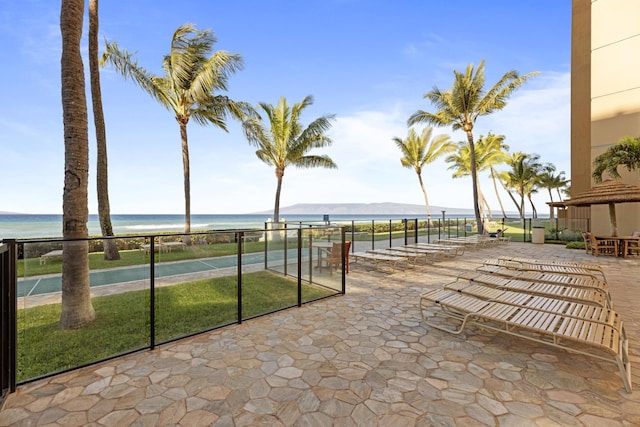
{"points": [[364, 359]]}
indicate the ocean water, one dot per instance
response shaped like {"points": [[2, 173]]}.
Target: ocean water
{"points": [[50, 226]]}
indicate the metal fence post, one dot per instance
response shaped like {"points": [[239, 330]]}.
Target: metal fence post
{"points": [[300, 266], [9, 312], [152, 292], [239, 237]]}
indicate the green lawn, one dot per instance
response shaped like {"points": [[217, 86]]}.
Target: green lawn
{"points": [[122, 320], [137, 257]]}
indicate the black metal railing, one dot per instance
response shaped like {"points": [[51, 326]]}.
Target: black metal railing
{"points": [[30, 274], [151, 271], [8, 352]]}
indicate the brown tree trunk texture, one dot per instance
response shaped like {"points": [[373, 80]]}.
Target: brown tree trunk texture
{"points": [[474, 180], [534, 211], [551, 208], [77, 309], [276, 208], [513, 199], [187, 180], [495, 188], [102, 181], [426, 199]]}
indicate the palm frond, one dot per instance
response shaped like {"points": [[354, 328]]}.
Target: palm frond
{"points": [[315, 161], [124, 63]]}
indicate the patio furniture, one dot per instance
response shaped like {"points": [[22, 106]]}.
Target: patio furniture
{"points": [[433, 254], [546, 277], [51, 255], [587, 242], [585, 294], [632, 245], [554, 262], [333, 259], [412, 257], [566, 269], [470, 243], [597, 333], [392, 261], [450, 250], [158, 247], [603, 245], [170, 245]]}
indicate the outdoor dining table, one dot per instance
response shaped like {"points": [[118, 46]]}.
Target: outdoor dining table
{"points": [[623, 243], [323, 247]]}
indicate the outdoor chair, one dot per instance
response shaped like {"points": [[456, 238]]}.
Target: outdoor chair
{"points": [[378, 260], [566, 268], [587, 242], [595, 332], [633, 247], [603, 246], [334, 256]]}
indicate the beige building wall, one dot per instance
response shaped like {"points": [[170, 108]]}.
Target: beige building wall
{"points": [[605, 62]]}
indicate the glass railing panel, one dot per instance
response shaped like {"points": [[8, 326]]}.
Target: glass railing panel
{"points": [[118, 298], [322, 271], [195, 283]]}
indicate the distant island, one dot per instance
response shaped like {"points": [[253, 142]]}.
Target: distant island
{"points": [[365, 209]]}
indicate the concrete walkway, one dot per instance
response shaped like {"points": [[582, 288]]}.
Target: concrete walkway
{"points": [[364, 359]]}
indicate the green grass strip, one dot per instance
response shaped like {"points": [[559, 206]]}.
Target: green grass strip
{"points": [[122, 320]]}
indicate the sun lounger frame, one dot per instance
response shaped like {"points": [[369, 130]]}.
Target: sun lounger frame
{"points": [[553, 262], [546, 327], [392, 261], [545, 277], [588, 295], [449, 249], [550, 268]]}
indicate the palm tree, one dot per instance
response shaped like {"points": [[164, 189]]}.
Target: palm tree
{"points": [[549, 180], [420, 150], [461, 166], [77, 309], [563, 186], [187, 88], [523, 176], [626, 152], [102, 182], [461, 105], [494, 153], [283, 141], [490, 152]]}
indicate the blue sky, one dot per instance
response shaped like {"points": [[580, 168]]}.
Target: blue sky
{"points": [[369, 62]]}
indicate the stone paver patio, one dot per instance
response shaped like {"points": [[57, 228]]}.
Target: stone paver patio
{"points": [[365, 359]]}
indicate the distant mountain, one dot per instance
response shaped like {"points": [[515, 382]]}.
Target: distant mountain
{"points": [[365, 209]]}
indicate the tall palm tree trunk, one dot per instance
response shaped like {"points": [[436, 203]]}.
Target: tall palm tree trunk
{"points": [[76, 298], [102, 181], [534, 211], [276, 236], [187, 180], [551, 208], [513, 199], [276, 208], [426, 199], [495, 188], [474, 180]]}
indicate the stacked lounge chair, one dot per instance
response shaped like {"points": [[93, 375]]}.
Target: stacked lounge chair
{"points": [[574, 315]]}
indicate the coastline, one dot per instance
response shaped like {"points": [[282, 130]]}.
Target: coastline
{"points": [[50, 226]]}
